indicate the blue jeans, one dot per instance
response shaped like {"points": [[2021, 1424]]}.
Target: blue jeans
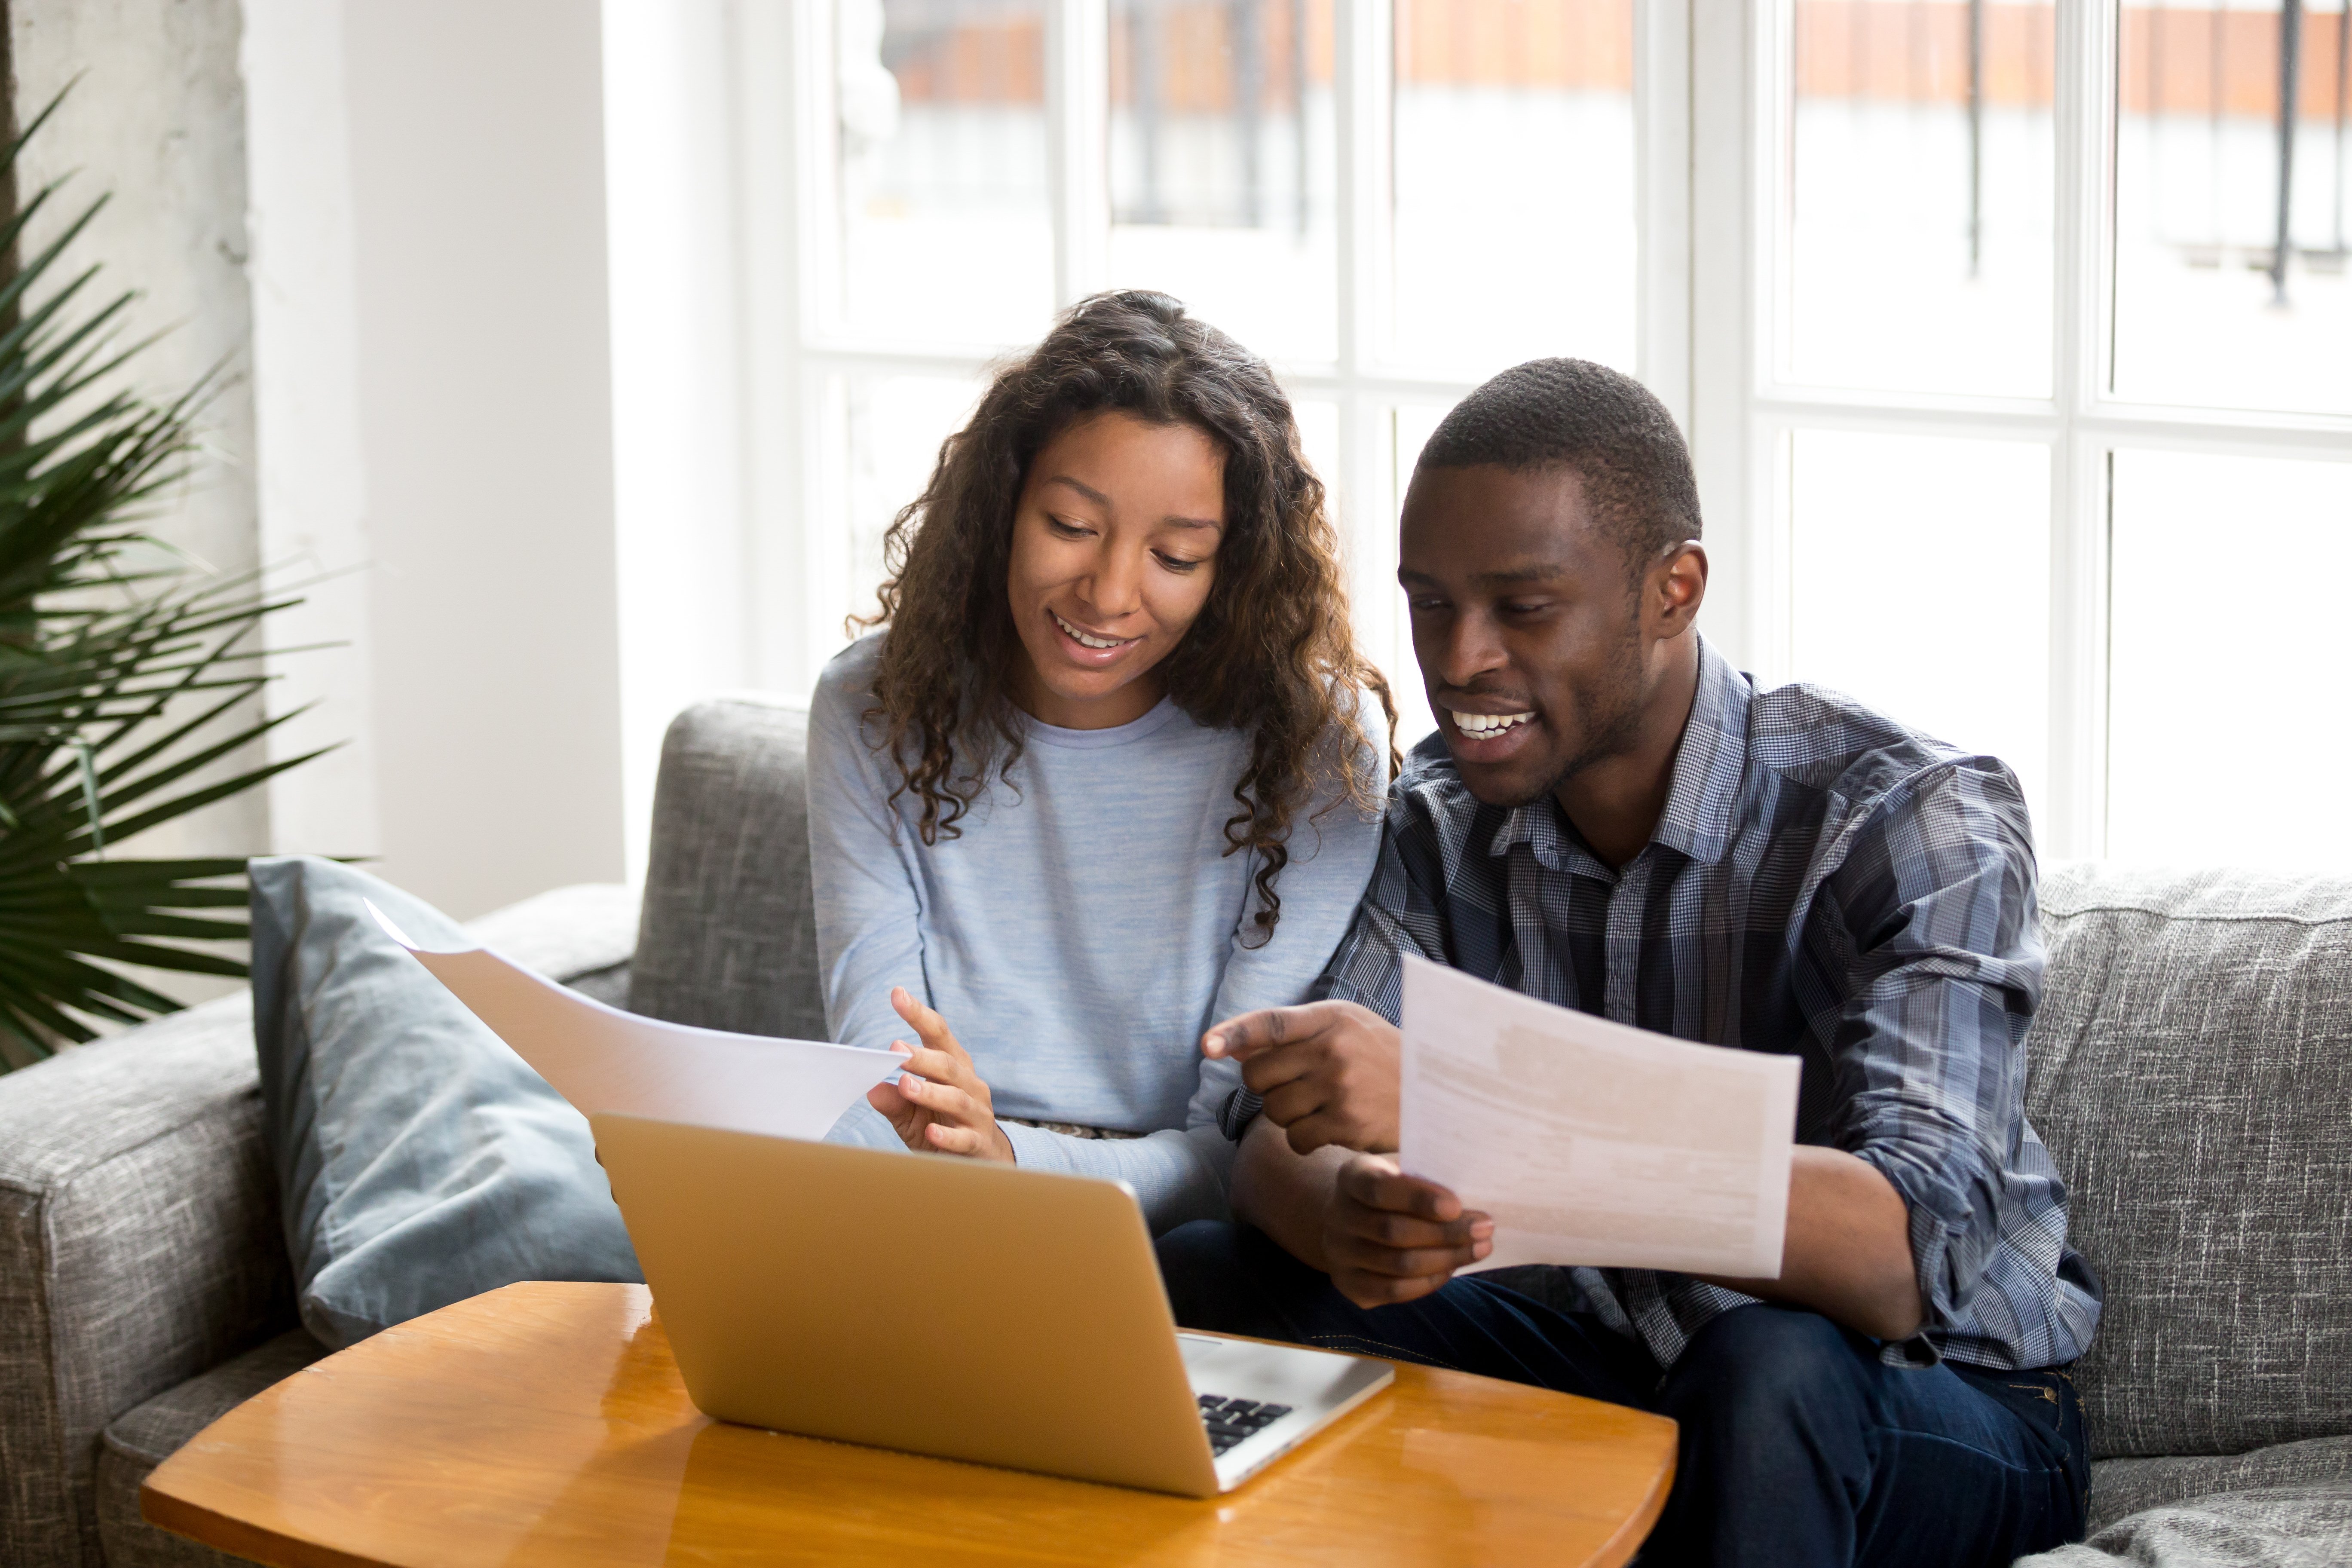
{"points": [[1799, 1444]]}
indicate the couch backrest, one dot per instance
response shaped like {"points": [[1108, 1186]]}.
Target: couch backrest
{"points": [[2191, 1071], [728, 940]]}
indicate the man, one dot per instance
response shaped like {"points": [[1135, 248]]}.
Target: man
{"points": [[1611, 817]]}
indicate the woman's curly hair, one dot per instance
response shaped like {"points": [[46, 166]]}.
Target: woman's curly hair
{"points": [[1270, 655]]}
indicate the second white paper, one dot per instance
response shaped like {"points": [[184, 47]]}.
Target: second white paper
{"points": [[1591, 1143], [601, 1058]]}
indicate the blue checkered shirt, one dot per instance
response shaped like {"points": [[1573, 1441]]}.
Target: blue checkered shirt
{"points": [[1823, 883]]}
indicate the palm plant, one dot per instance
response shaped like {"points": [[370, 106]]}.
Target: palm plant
{"points": [[124, 671]]}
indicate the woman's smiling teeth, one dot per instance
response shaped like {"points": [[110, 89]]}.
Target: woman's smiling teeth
{"points": [[1484, 724], [1085, 640]]}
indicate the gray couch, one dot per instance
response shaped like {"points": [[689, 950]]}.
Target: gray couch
{"points": [[2192, 1067]]}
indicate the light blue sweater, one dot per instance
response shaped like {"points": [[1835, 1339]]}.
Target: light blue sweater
{"points": [[1077, 937]]}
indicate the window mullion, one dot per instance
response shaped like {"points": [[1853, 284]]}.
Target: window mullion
{"points": [[2082, 109], [1662, 131], [1361, 37], [1728, 117], [1077, 111]]}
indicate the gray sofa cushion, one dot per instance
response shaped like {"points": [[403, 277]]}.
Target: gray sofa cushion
{"points": [[728, 940], [419, 1160], [145, 1435], [2122, 1487], [2289, 1527], [2191, 1071]]}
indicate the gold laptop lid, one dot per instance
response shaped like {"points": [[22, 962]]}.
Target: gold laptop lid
{"points": [[941, 1306]]}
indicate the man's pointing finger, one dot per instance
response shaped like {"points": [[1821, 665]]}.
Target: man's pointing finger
{"points": [[1242, 1037]]}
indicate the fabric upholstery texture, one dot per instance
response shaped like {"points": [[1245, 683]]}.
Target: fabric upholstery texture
{"points": [[2191, 1070], [2285, 1527], [728, 938], [146, 1435], [2124, 1487], [419, 1160], [138, 1248]]}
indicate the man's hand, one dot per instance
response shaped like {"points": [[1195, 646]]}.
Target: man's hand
{"points": [[1389, 1237], [1326, 1071], [939, 1104]]}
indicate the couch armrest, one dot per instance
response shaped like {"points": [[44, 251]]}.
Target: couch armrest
{"points": [[580, 936], [138, 1247], [139, 1243]]}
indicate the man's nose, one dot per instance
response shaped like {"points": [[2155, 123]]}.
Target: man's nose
{"points": [[1470, 647]]}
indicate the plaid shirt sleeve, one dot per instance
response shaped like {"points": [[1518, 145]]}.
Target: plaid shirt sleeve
{"points": [[1933, 932], [1399, 914]]}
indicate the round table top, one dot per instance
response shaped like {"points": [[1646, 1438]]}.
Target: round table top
{"points": [[547, 1423]]}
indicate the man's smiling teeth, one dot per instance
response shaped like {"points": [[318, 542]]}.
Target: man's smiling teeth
{"points": [[1488, 723], [1083, 640]]}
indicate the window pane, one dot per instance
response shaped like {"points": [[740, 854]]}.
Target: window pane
{"points": [[1514, 182], [2223, 745], [1221, 164], [946, 230], [1921, 576], [884, 437], [2209, 176], [1919, 213], [1410, 427]]}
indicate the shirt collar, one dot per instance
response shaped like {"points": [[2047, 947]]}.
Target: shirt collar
{"points": [[1708, 766]]}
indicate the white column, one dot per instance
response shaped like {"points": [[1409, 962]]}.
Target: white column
{"points": [[679, 482], [308, 470]]}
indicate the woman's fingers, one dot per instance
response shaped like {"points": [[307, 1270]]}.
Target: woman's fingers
{"points": [[905, 1119], [949, 1140], [945, 1101], [927, 1024], [941, 1068]]}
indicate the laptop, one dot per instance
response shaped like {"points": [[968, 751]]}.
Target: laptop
{"points": [[949, 1307]]}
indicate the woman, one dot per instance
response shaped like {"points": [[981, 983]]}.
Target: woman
{"points": [[1104, 776]]}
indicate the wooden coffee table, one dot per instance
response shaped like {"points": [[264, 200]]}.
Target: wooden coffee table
{"points": [[546, 1424]]}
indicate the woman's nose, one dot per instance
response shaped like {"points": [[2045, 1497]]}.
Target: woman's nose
{"points": [[1116, 588]]}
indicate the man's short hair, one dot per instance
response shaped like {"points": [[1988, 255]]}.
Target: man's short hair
{"points": [[1609, 427]]}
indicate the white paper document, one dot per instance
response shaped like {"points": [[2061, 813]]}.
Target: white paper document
{"points": [[601, 1059], [1591, 1143]]}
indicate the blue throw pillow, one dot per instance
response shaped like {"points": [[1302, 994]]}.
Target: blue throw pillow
{"points": [[419, 1162]]}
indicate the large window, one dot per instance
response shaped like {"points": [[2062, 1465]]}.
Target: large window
{"points": [[2052, 354], [2013, 338], [1387, 201]]}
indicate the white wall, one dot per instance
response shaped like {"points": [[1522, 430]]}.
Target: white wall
{"points": [[439, 408], [311, 477]]}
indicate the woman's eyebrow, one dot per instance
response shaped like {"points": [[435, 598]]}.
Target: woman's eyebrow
{"points": [[1086, 491], [1210, 523]]}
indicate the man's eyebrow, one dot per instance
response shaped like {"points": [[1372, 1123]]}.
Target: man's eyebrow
{"points": [[1534, 572], [1088, 491]]}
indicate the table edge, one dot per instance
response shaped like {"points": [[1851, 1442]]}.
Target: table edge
{"points": [[226, 1534], [1630, 1537]]}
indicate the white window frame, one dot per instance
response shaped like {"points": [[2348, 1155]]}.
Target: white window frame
{"points": [[1743, 412], [797, 536]]}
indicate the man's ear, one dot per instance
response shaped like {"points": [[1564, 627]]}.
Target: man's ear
{"points": [[1674, 588]]}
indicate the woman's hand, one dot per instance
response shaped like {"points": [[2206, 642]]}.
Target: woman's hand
{"points": [[939, 1104]]}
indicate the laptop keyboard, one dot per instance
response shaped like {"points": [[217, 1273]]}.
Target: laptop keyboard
{"points": [[1230, 1420]]}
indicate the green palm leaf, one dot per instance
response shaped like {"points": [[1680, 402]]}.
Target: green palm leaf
{"points": [[125, 673]]}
